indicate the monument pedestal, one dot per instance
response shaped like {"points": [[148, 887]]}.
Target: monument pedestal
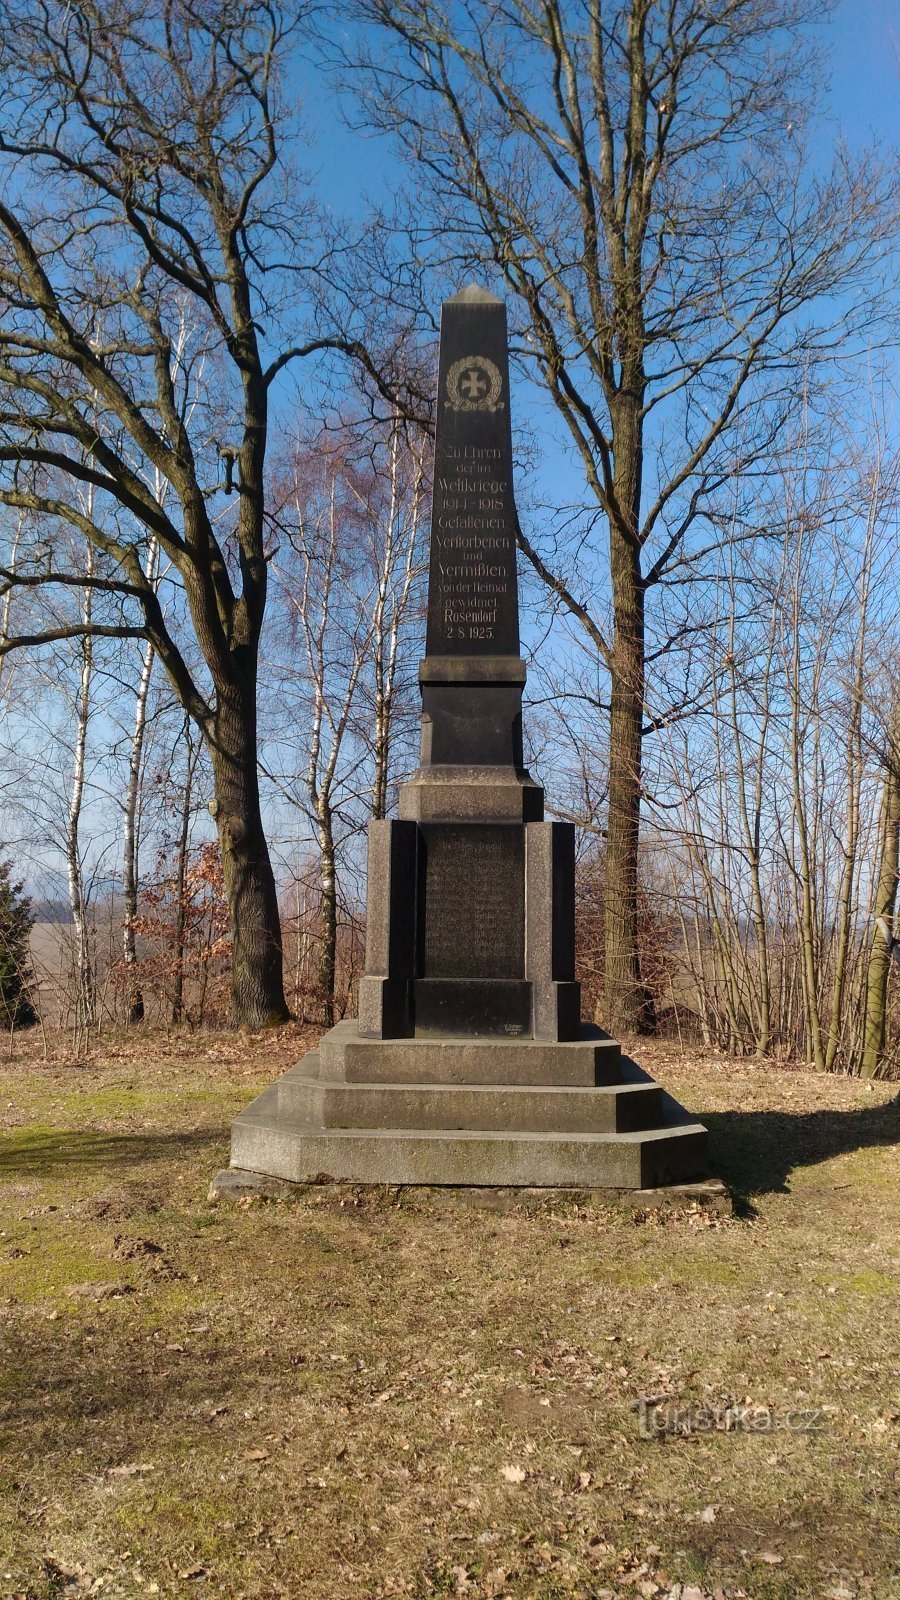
{"points": [[466, 1111], [469, 1064]]}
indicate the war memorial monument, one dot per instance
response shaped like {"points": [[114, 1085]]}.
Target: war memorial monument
{"points": [[469, 1063]]}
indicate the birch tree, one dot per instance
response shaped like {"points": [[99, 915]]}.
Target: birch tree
{"points": [[395, 529], [83, 964], [330, 594]]}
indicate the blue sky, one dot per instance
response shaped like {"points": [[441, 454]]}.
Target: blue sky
{"points": [[865, 85], [863, 103]]}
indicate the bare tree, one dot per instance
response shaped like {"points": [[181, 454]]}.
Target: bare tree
{"points": [[330, 594], [140, 148], [779, 870], [184, 807], [134, 999], [635, 174], [395, 529]]}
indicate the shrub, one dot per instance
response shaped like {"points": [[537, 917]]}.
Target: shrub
{"points": [[16, 922]]}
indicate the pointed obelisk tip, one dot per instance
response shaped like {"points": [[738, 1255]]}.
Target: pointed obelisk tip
{"points": [[474, 295]]}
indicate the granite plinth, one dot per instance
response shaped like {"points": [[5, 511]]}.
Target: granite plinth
{"points": [[483, 1008], [346, 1054], [468, 1112], [704, 1194]]}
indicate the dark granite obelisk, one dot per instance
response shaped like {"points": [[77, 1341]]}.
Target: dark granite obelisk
{"points": [[494, 953], [473, 605], [468, 1063]]}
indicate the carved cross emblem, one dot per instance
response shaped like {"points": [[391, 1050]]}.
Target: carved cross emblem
{"points": [[474, 384]]}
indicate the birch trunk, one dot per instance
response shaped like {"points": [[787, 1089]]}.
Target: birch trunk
{"points": [[184, 836], [85, 999], [130, 876], [399, 550]]}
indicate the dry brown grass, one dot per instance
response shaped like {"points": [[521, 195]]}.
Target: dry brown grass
{"points": [[381, 1394]]}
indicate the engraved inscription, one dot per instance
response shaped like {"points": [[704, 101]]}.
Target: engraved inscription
{"points": [[474, 901], [473, 558]]}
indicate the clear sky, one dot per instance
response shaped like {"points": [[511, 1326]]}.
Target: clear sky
{"points": [[865, 73]]}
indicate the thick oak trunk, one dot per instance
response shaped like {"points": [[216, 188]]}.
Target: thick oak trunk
{"points": [[257, 983]]}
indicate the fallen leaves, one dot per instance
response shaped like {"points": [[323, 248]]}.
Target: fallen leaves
{"points": [[99, 1291], [511, 1368]]}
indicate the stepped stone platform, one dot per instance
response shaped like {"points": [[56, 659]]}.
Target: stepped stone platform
{"points": [[469, 1065], [467, 1112]]}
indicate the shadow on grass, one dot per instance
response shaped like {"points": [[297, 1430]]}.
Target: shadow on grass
{"points": [[756, 1151], [44, 1155]]}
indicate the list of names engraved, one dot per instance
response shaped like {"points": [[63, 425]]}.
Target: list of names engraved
{"points": [[474, 901]]}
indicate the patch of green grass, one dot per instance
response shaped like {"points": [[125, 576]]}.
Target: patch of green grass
{"points": [[51, 1265], [869, 1283]]}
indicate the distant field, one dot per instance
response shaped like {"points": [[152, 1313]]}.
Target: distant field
{"points": [[53, 968], [355, 1396]]}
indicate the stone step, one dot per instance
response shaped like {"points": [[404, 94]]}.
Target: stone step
{"points": [[612, 1108], [265, 1142], [348, 1056]]}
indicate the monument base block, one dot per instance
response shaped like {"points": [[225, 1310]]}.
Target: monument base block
{"points": [[469, 1112]]}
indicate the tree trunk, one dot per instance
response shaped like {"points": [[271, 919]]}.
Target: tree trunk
{"points": [[626, 1004], [184, 836], [885, 900], [257, 983], [134, 998], [328, 957], [85, 998]]}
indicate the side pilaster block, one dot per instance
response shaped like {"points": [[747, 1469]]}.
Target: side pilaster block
{"points": [[385, 992], [550, 929]]}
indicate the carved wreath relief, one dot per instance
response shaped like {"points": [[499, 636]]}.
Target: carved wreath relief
{"points": [[474, 384]]}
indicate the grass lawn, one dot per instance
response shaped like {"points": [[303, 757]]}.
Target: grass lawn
{"points": [[386, 1393]]}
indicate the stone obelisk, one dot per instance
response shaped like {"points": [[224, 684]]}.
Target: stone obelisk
{"points": [[468, 1063], [465, 813]]}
